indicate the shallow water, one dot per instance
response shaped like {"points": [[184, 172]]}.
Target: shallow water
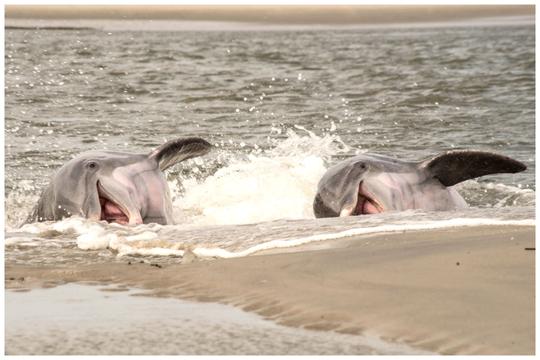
{"points": [[280, 108], [75, 319]]}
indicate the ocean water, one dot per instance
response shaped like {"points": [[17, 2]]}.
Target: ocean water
{"points": [[280, 107]]}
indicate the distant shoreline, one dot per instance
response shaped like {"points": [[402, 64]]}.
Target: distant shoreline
{"points": [[276, 14], [262, 18]]}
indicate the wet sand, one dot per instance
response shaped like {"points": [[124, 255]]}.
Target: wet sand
{"points": [[456, 291], [77, 319]]}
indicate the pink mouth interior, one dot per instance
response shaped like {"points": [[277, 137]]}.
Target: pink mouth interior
{"points": [[111, 212], [365, 204]]}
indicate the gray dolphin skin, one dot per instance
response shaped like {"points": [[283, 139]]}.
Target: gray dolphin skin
{"points": [[115, 186], [371, 184]]}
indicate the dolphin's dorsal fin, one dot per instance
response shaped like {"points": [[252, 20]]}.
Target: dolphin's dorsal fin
{"points": [[175, 151], [456, 166]]}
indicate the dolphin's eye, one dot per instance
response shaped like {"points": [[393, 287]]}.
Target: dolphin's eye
{"points": [[91, 165]]}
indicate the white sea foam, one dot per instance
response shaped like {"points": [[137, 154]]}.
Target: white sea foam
{"points": [[147, 235], [265, 185], [95, 240], [21, 240], [285, 243], [155, 240], [124, 249], [496, 195], [142, 245], [260, 189]]}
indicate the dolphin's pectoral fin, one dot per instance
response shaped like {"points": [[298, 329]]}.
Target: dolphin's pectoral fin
{"points": [[178, 150], [454, 167]]}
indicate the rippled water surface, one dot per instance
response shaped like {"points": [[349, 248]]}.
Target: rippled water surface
{"points": [[279, 106]]}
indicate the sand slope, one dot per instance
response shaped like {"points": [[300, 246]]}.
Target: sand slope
{"points": [[460, 291]]}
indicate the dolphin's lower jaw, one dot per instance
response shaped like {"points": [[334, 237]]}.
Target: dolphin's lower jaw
{"points": [[113, 212], [365, 204]]}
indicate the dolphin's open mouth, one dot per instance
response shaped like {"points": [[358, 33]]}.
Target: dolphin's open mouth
{"points": [[366, 203], [111, 211]]}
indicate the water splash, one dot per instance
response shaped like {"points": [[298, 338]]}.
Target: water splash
{"points": [[263, 185], [57, 240], [495, 195]]}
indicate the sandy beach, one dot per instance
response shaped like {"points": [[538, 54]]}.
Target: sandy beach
{"points": [[455, 291], [91, 319]]}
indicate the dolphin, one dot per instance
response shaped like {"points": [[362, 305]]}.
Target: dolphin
{"points": [[371, 183], [116, 187]]}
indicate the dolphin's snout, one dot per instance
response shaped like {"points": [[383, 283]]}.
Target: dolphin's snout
{"points": [[116, 205]]}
